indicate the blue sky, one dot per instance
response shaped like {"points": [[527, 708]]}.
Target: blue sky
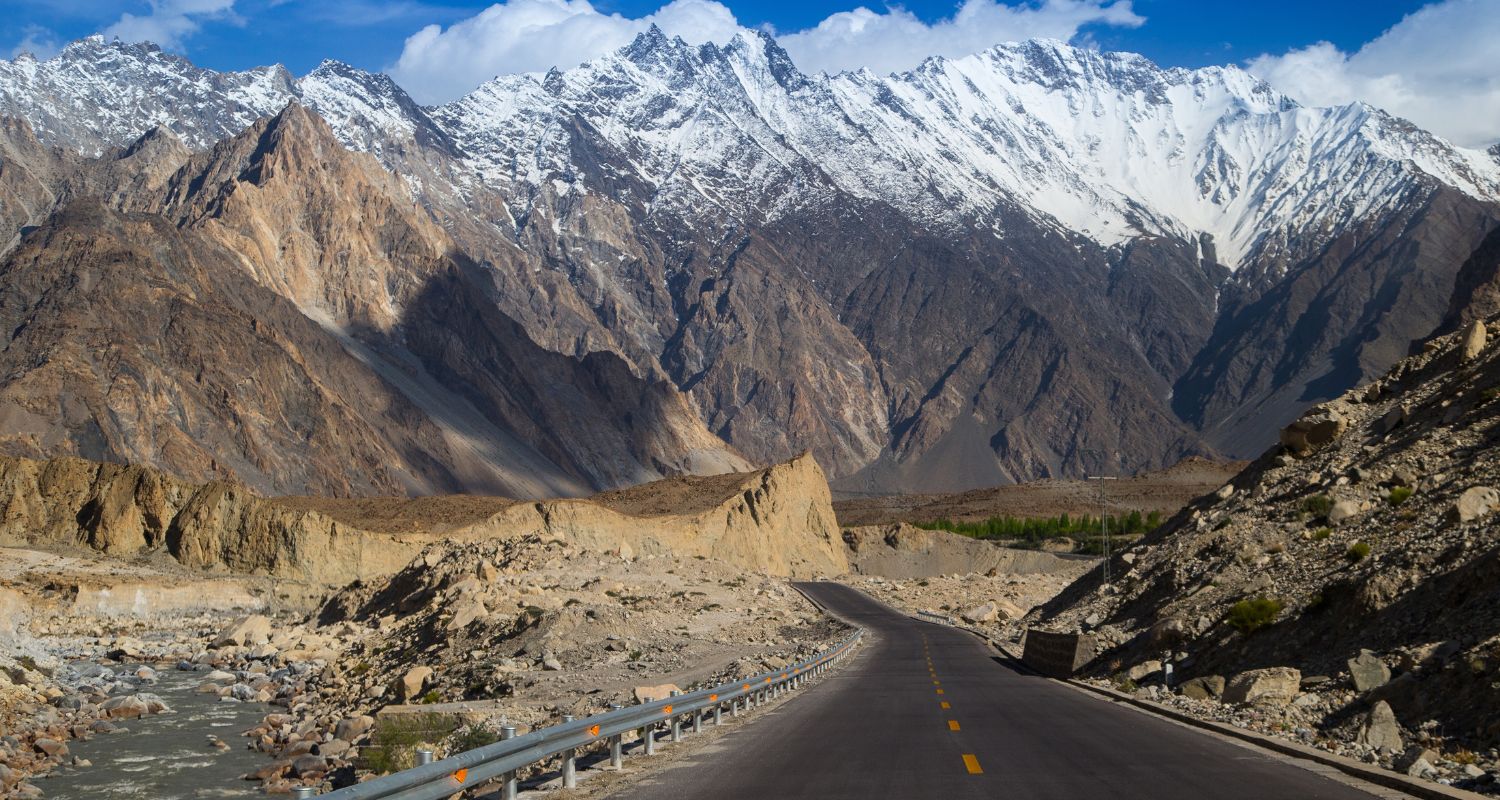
{"points": [[370, 33], [1430, 62]]}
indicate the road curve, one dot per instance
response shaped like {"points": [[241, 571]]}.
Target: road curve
{"points": [[879, 728]]}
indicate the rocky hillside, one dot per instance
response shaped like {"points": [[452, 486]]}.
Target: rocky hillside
{"points": [[1358, 561], [277, 310], [777, 520], [1036, 261]]}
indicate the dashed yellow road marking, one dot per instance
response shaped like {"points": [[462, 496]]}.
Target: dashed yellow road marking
{"points": [[937, 683], [972, 764], [952, 724], [940, 691], [945, 704]]}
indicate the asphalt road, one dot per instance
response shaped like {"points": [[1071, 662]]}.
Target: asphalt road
{"points": [[926, 711]]}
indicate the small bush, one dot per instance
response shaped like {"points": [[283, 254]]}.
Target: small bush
{"points": [[1322, 533], [395, 738], [359, 669], [431, 697], [1399, 495], [1317, 505], [1251, 615], [1463, 756], [473, 737], [1357, 552]]}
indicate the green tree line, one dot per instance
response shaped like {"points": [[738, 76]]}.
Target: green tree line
{"points": [[1034, 530]]}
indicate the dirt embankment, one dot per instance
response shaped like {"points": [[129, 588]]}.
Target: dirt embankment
{"points": [[777, 520], [1164, 491], [903, 552]]}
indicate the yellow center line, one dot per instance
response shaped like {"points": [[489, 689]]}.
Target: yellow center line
{"points": [[952, 724], [945, 704], [972, 764], [940, 691]]}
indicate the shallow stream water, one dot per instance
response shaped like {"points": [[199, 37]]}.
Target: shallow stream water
{"points": [[166, 756]]}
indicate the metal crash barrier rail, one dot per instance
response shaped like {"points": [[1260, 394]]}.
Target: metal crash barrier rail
{"points": [[505, 758]]}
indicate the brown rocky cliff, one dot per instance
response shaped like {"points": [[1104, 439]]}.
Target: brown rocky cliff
{"points": [[777, 520]]}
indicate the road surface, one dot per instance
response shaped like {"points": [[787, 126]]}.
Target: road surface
{"points": [[926, 711]]}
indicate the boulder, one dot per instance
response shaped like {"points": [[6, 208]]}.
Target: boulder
{"points": [[1315, 429], [1273, 686], [1206, 687], [650, 694], [127, 707], [1392, 420], [1472, 340], [52, 748], [412, 683], [1343, 510], [1368, 671], [1380, 729], [985, 612], [1143, 670], [351, 728], [249, 631], [1475, 503]]}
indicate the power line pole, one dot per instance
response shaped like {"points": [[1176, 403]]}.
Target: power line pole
{"points": [[1104, 522]]}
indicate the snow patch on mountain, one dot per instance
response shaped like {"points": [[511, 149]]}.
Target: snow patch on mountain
{"points": [[1105, 145]]}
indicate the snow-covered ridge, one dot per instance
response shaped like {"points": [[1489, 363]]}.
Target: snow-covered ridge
{"points": [[1107, 145]]}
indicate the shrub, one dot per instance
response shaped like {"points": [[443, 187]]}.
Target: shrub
{"points": [[1251, 615], [1318, 505], [431, 697], [1399, 495], [1357, 552], [472, 737], [395, 737], [1322, 533]]}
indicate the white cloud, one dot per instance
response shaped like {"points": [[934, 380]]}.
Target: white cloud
{"points": [[37, 41], [169, 21], [897, 40], [1436, 67], [534, 35], [440, 64]]}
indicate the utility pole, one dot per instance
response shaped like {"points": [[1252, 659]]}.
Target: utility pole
{"points": [[1104, 522]]}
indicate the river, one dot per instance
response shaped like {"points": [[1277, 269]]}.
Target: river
{"points": [[166, 756]]}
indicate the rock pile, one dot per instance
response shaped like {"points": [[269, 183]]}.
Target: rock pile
{"points": [[1359, 561]]}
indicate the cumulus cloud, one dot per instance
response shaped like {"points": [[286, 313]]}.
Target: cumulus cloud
{"points": [[37, 41], [169, 22], [897, 40], [1436, 67], [534, 35], [440, 64]]}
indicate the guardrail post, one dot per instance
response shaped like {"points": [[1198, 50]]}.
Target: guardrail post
{"points": [[648, 735], [616, 745], [424, 756], [734, 707], [569, 762], [718, 714], [698, 721], [304, 792], [676, 728], [509, 787]]}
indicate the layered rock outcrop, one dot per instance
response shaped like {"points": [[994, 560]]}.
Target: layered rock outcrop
{"points": [[777, 520]]}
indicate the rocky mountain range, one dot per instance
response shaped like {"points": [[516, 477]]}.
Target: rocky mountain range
{"points": [[1034, 261]]}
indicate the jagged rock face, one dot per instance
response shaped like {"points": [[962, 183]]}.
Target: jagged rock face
{"points": [[776, 521], [296, 328], [1033, 261], [1476, 293]]}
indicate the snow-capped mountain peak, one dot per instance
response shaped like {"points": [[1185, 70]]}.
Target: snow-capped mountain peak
{"points": [[1107, 145]]}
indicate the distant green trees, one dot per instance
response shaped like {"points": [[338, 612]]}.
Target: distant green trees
{"points": [[1034, 530]]}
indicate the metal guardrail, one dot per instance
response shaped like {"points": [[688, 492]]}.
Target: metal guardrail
{"points": [[503, 759]]}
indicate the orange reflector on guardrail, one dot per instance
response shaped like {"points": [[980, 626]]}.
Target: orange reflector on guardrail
{"points": [[712, 698], [594, 730], [667, 710], [747, 687], [461, 776]]}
